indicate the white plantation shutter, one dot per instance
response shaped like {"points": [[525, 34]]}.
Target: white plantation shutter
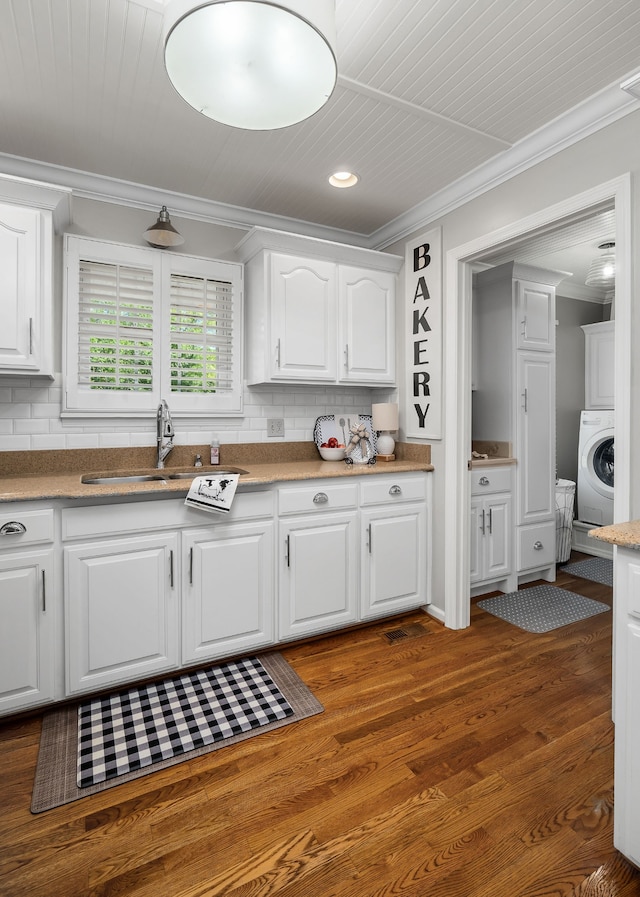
{"points": [[202, 335], [143, 324], [115, 327]]}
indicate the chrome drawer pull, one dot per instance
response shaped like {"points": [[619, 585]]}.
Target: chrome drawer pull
{"points": [[538, 545], [12, 528], [484, 481], [395, 490], [320, 498]]}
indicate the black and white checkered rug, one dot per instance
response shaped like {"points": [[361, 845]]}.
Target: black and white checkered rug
{"points": [[140, 726]]}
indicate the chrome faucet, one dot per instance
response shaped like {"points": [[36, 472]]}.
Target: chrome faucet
{"points": [[164, 432]]}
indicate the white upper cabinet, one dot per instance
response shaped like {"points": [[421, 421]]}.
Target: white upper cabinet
{"points": [[318, 311], [26, 276], [599, 355], [536, 316]]}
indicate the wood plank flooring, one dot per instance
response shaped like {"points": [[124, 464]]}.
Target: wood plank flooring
{"points": [[451, 764]]}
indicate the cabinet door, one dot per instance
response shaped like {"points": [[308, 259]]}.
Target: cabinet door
{"points": [[536, 316], [27, 633], [121, 602], [318, 584], [394, 560], [599, 365], [497, 527], [20, 287], [535, 437], [367, 325], [228, 590], [303, 306]]}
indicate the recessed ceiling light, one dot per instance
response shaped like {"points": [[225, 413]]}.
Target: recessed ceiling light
{"points": [[343, 179]]}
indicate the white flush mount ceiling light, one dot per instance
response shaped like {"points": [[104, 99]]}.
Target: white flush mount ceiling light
{"points": [[343, 179], [163, 234], [252, 64], [602, 270]]}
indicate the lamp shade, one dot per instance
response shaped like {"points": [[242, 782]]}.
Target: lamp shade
{"points": [[385, 416], [602, 271], [252, 64], [163, 233]]}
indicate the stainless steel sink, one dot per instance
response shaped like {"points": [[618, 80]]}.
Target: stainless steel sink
{"points": [[189, 475], [160, 477]]}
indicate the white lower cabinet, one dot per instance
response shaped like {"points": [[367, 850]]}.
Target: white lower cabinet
{"points": [[227, 589], [491, 539], [27, 633], [121, 609], [394, 560]]}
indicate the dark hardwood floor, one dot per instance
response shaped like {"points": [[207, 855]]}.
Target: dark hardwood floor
{"points": [[452, 764]]}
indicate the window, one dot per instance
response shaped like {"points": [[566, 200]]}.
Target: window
{"points": [[142, 325]]}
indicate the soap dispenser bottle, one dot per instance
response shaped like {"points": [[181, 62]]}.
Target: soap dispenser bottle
{"points": [[215, 450]]}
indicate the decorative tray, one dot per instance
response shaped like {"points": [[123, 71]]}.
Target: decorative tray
{"points": [[340, 426]]}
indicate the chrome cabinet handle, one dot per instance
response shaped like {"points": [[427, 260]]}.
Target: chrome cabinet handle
{"points": [[44, 593], [524, 327], [490, 520], [320, 498], [287, 548], [538, 545], [12, 528], [191, 566], [171, 568], [395, 490], [525, 398], [346, 357], [483, 481], [278, 354], [482, 527], [30, 336]]}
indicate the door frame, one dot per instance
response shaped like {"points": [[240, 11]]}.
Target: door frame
{"points": [[457, 373]]}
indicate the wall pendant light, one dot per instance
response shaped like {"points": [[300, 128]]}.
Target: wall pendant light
{"points": [[163, 233], [602, 271], [252, 64]]}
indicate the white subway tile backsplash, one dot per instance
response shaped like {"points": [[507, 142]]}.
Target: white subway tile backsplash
{"points": [[30, 417]]}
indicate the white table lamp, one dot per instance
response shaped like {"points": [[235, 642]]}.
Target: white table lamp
{"points": [[385, 419]]}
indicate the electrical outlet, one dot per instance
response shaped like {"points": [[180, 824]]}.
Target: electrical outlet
{"points": [[275, 426]]}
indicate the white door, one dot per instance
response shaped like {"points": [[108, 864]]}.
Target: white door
{"points": [[394, 560], [497, 528], [367, 334], [318, 584], [228, 590], [121, 607], [304, 325], [27, 633]]}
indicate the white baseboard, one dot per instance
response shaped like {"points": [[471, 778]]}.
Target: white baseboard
{"points": [[582, 541]]}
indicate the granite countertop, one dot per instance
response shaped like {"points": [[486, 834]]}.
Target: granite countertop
{"points": [[31, 476], [626, 535], [497, 454]]}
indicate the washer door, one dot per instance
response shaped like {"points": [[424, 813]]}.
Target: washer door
{"points": [[597, 462]]}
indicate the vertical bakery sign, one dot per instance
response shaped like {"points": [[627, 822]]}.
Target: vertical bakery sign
{"points": [[423, 317]]}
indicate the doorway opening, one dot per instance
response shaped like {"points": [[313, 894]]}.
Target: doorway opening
{"points": [[460, 262]]}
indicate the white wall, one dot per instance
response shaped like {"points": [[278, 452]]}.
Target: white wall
{"points": [[30, 407], [608, 154]]}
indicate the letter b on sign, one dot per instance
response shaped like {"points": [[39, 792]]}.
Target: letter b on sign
{"points": [[421, 257]]}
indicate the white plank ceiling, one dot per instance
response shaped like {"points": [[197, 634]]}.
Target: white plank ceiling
{"points": [[428, 90]]}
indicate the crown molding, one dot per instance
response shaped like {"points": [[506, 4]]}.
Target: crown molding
{"points": [[85, 185], [599, 111]]}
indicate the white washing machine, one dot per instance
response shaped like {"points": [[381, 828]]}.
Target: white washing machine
{"points": [[595, 467]]}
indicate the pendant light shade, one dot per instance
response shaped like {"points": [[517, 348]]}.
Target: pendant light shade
{"points": [[252, 64], [602, 271], [163, 233]]}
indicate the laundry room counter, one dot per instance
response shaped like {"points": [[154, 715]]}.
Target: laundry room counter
{"points": [[626, 535]]}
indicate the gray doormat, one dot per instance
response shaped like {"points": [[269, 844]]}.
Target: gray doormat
{"points": [[542, 608], [56, 778], [596, 569]]}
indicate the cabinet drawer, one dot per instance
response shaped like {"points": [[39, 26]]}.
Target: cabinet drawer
{"points": [[387, 490], [38, 527], [536, 545], [490, 479], [144, 516], [317, 497]]}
